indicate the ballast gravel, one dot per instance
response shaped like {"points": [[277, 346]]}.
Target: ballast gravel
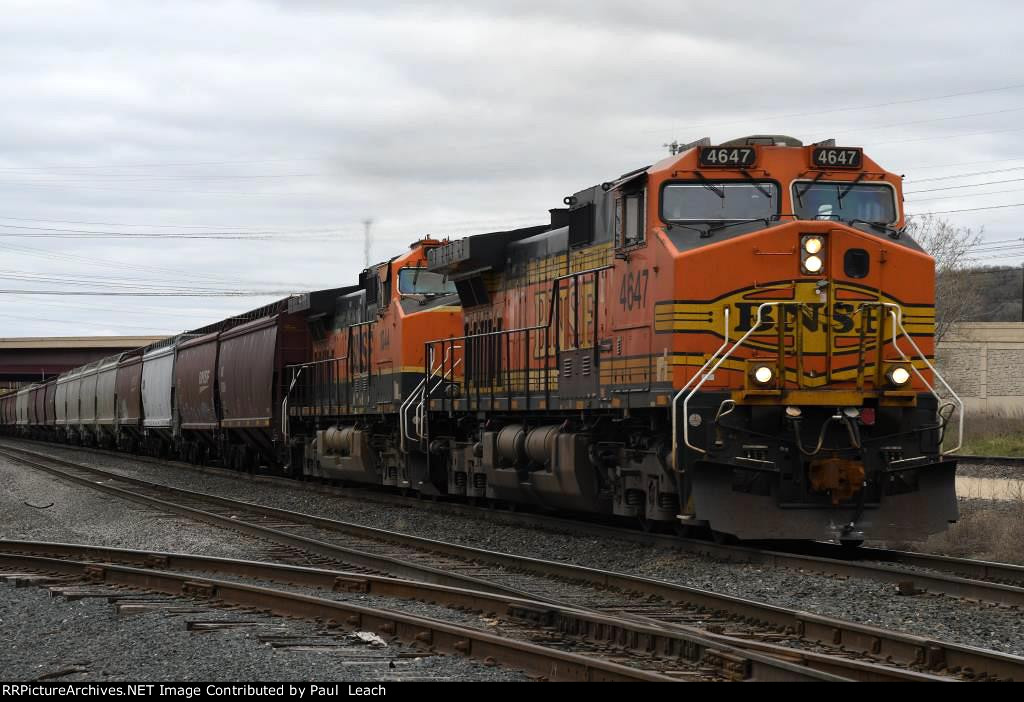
{"points": [[860, 600], [77, 640]]}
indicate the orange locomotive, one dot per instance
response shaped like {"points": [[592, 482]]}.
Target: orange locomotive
{"points": [[738, 337], [367, 359]]}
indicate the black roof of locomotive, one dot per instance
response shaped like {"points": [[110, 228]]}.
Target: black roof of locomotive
{"points": [[477, 253]]}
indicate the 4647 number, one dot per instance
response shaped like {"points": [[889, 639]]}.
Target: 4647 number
{"points": [[633, 292]]}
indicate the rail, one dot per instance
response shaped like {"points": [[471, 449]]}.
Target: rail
{"points": [[904, 649]]}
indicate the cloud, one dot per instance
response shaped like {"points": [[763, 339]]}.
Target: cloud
{"points": [[436, 118]]}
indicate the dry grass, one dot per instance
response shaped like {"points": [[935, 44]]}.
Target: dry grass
{"points": [[999, 433], [990, 530]]}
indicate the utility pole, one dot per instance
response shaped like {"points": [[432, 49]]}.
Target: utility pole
{"points": [[366, 242]]}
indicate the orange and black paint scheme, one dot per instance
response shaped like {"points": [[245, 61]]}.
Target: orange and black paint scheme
{"points": [[367, 359], [737, 339]]}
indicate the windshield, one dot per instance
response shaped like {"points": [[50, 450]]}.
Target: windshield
{"points": [[718, 201], [420, 281], [871, 202]]}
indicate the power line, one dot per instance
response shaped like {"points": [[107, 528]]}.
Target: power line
{"points": [[958, 187], [81, 323], [935, 119], [121, 265], [969, 209], [855, 108], [164, 164], [132, 310], [944, 136], [179, 176], [57, 232], [102, 293], [124, 224], [996, 243], [119, 286], [968, 195], [966, 175], [963, 163]]}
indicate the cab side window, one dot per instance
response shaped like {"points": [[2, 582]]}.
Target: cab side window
{"points": [[629, 219]]}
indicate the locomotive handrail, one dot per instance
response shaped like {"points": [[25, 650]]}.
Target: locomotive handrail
{"points": [[402, 421], [896, 312], [403, 433], [429, 389], [291, 386], [420, 392], [675, 400], [284, 403], [753, 327]]}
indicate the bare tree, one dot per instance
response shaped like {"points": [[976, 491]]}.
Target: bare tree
{"points": [[950, 246]]}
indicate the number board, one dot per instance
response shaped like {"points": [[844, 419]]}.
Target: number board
{"points": [[727, 156], [835, 157]]}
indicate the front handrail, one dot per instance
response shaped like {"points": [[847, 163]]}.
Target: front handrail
{"points": [[896, 312], [686, 401], [675, 399]]}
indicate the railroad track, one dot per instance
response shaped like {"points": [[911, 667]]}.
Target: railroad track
{"points": [[1000, 583], [550, 662], [644, 600], [651, 651]]}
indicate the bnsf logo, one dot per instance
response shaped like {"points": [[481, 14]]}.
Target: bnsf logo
{"points": [[817, 320], [814, 316]]}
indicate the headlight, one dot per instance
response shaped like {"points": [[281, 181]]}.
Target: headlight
{"points": [[813, 244], [812, 254], [763, 375], [813, 264], [899, 376]]}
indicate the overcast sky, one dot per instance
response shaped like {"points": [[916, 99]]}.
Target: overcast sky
{"points": [[284, 125]]}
